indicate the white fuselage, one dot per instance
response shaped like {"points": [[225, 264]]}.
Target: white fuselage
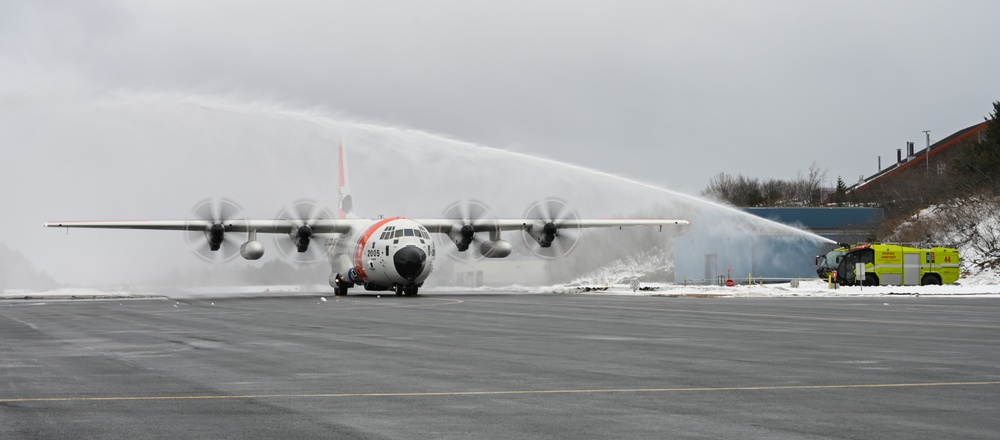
{"points": [[385, 254]]}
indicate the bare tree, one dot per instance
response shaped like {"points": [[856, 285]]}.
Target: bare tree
{"points": [[805, 190]]}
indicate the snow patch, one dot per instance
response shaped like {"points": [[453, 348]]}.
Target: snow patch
{"points": [[73, 293], [632, 267]]}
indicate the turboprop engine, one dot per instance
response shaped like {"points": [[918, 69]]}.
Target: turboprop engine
{"points": [[553, 228], [472, 217], [211, 219]]}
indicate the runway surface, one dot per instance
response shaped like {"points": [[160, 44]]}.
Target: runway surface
{"points": [[501, 366]]}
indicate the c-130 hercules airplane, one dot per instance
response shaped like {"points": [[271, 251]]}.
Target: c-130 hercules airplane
{"points": [[381, 254]]}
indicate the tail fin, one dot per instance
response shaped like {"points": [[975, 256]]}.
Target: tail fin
{"points": [[345, 204]]}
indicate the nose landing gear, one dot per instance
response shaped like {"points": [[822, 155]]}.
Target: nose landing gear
{"points": [[410, 290]]}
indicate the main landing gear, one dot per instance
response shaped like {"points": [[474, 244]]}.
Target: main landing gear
{"points": [[410, 290], [340, 289]]}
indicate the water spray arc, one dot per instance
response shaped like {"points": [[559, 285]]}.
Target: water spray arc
{"points": [[410, 171]]}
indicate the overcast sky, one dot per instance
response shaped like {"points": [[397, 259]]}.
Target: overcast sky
{"points": [[670, 93]]}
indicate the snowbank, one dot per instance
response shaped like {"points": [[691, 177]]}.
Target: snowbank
{"points": [[808, 288], [75, 293]]}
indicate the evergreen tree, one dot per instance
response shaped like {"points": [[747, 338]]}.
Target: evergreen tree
{"points": [[841, 191], [841, 186]]}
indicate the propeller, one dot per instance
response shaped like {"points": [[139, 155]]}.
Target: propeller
{"points": [[303, 244], [550, 239], [213, 243], [470, 215]]}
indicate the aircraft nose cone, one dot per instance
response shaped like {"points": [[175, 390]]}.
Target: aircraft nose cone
{"points": [[409, 262]]}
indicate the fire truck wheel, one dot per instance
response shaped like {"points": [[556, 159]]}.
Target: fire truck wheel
{"points": [[870, 279], [930, 279]]}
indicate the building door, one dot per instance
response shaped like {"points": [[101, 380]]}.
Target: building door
{"points": [[710, 267]]}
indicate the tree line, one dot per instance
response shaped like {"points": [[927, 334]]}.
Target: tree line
{"points": [[751, 192]]}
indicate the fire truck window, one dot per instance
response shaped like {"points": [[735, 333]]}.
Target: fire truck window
{"points": [[847, 264], [868, 256]]}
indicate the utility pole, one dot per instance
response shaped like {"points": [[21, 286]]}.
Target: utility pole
{"points": [[927, 153]]}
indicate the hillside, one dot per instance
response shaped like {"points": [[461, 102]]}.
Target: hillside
{"points": [[972, 224]]}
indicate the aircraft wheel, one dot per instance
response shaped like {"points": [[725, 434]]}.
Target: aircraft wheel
{"points": [[399, 290], [411, 290], [340, 289]]}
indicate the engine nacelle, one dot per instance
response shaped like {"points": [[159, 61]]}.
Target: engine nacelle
{"points": [[496, 249], [215, 235], [252, 250], [545, 234], [301, 237], [462, 236]]}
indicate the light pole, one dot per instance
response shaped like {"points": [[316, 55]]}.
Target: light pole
{"points": [[927, 153]]}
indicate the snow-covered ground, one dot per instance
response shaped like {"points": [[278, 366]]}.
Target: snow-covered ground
{"points": [[986, 284], [808, 288]]}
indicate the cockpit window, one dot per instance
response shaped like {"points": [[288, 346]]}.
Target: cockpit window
{"points": [[408, 232], [425, 234], [399, 233]]}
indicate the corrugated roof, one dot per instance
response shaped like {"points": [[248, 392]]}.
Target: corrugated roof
{"points": [[935, 148]]}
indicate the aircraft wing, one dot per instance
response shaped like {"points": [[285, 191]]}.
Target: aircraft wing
{"points": [[442, 225], [263, 226], [581, 223]]}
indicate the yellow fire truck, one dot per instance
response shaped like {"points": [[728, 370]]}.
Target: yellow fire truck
{"points": [[895, 265]]}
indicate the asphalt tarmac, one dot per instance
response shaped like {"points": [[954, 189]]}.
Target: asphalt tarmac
{"points": [[501, 366]]}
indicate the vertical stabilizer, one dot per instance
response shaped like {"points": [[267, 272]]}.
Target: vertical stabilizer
{"points": [[345, 204]]}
